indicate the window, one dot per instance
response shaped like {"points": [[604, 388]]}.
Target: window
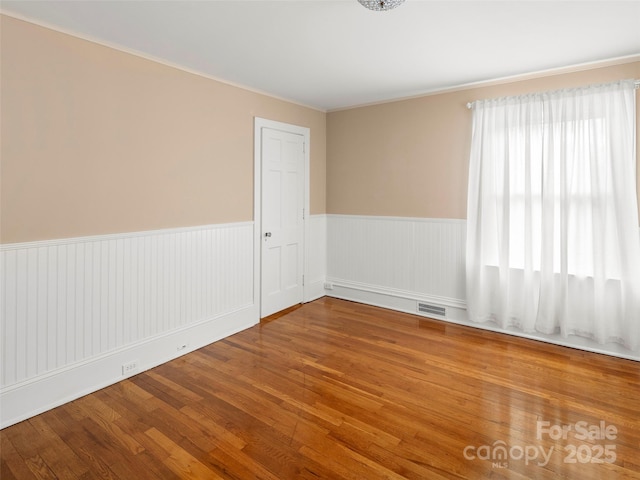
{"points": [[552, 234]]}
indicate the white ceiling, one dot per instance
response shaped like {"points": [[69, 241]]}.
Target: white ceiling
{"points": [[331, 54]]}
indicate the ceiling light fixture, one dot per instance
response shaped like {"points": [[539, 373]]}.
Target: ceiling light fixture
{"points": [[381, 5]]}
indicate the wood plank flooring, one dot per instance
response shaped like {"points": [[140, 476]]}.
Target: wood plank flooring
{"points": [[339, 390]]}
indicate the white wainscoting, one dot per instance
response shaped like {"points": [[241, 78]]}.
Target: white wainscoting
{"points": [[316, 258], [395, 262], [414, 258], [74, 310]]}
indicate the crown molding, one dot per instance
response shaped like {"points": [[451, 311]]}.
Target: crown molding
{"points": [[151, 58], [502, 80]]}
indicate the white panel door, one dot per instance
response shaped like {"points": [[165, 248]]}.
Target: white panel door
{"points": [[282, 220]]}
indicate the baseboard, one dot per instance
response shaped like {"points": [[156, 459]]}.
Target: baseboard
{"points": [[456, 312], [47, 391], [394, 299]]}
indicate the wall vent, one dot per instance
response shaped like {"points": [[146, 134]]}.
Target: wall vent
{"points": [[429, 309]]}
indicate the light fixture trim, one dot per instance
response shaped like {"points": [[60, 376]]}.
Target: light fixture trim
{"points": [[381, 5]]}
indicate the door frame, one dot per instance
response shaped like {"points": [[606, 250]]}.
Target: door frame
{"points": [[259, 124]]}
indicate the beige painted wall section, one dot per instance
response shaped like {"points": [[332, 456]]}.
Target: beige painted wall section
{"points": [[97, 141], [410, 158]]}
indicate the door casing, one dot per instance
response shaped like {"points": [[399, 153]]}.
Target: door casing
{"points": [[259, 124]]}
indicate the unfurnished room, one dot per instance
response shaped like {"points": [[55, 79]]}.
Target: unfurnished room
{"points": [[319, 239]]}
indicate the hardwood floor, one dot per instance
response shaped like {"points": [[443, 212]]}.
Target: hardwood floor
{"points": [[337, 390]]}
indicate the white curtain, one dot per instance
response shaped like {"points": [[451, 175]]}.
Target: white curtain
{"points": [[553, 242]]}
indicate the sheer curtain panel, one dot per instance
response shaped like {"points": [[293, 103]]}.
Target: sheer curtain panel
{"points": [[553, 242]]}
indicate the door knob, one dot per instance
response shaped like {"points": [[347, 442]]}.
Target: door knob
{"points": [[268, 234]]}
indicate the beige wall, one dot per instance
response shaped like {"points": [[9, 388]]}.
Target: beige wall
{"points": [[410, 158], [98, 141]]}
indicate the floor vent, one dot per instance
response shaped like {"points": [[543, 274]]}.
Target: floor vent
{"points": [[432, 309]]}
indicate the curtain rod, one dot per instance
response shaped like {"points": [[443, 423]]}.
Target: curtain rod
{"points": [[636, 84]]}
